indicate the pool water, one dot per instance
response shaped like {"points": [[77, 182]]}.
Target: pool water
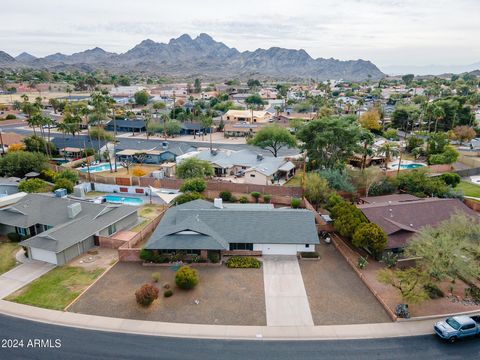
{"points": [[98, 168], [115, 199], [411, 166]]}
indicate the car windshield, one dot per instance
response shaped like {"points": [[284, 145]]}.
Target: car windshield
{"points": [[453, 323]]}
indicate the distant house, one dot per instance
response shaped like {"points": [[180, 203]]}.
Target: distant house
{"points": [[240, 129], [148, 156], [132, 126], [257, 168], [8, 185], [199, 227], [246, 116], [60, 229], [190, 128], [401, 216]]}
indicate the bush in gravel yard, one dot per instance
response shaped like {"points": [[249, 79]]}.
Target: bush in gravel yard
{"points": [[256, 195], [146, 294], [295, 203], [167, 293], [473, 292], [310, 255], [243, 200], [186, 278], [214, 257], [146, 255], [433, 291], [225, 195], [156, 277], [243, 262], [13, 236], [187, 197], [63, 183], [10, 117], [390, 259], [267, 198]]}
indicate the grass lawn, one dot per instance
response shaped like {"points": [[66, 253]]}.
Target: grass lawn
{"points": [[296, 180], [469, 189], [140, 226], [7, 256], [151, 211], [57, 288]]}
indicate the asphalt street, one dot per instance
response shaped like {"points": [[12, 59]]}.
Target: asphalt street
{"points": [[71, 343]]}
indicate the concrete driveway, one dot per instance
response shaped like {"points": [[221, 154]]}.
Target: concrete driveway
{"points": [[21, 275], [285, 296]]}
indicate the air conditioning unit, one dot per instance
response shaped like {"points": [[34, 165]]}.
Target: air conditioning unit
{"points": [[60, 193]]}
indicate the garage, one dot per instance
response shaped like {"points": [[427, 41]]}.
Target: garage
{"points": [[43, 255], [276, 249]]}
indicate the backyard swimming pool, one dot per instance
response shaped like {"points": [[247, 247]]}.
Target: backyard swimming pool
{"points": [[405, 165], [98, 168], [118, 199]]}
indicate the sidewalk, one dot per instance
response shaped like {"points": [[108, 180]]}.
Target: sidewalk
{"points": [[21, 275], [331, 332]]}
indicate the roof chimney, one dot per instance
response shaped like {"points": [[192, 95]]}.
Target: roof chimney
{"points": [[218, 203], [73, 210]]}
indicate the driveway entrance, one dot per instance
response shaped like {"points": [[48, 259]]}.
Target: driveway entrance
{"points": [[285, 296]]}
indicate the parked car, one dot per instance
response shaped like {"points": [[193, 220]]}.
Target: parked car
{"points": [[458, 327]]}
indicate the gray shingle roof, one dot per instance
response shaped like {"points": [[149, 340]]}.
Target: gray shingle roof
{"points": [[260, 225], [48, 210]]}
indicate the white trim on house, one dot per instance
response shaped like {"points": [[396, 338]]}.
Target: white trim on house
{"points": [[282, 249]]}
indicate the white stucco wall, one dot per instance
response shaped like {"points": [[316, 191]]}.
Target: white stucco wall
{"points": [[282, 249], [258, 179]]}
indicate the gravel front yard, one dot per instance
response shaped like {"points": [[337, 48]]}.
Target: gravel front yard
{"points": [[336, 294], [226, 296]]}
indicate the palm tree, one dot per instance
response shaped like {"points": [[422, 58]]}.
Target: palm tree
{"points": [[63, 127], [388, 150]]}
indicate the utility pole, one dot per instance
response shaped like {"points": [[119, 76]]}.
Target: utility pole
{"points": [[114, 139], [1, 140]]}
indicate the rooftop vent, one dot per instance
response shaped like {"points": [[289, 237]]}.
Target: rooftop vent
{"points": [[73, 210], [259, 157]]}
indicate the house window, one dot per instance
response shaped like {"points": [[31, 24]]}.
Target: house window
{"points": [[241, 246], [112, 229], [307, 245], [21, 231], [252, 175]]}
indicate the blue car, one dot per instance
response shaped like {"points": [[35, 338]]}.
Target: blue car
{"points": [[458, 327]]}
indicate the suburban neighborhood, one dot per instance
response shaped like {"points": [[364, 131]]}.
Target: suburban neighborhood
{"points": [[205, 198]]}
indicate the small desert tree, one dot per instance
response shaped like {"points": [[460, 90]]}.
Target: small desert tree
{"points": [[195, 184], [146, 294], [273, 138], [371, 236], [316, 189], [408, 282]]}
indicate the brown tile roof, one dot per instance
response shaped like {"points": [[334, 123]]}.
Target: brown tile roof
{"points": [[387, 198], [401, 219], [12, 138]]}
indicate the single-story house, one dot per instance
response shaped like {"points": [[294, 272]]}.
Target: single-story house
{"points": [[9, 185], [257, 168], [199, 227], [60, 229], [191, 128], [132, 126], [148, 156], [71, 152], [240, 129], [401, 216]]}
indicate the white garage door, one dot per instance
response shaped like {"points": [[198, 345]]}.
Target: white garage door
{"points": [[44, 255], [277, 249]]}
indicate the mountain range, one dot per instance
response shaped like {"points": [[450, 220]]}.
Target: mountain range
{"points": [[186, 57]]}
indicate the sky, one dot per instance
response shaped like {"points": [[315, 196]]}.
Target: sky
{"points": [[386, 32]]}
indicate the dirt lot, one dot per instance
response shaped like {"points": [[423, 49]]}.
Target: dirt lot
{"points": [[336, 294], [226, 296]]}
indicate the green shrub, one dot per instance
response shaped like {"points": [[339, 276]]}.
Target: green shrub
{"points": [[193, 185], [186, 278], [156, 277], [310, 255], [68, 174], [243, 200], [473, 292], [225, 195], [362, 263], [33, 186], [63, 183], [187, 197], [10, 117], [433, 291], [146, 255], [13, 236], [243, 262], [267, 198], [167, 293], [333, 199], [391, 134], [146, 294], [48, 175], [256, 195], [214, 257], [295, 203], [390, 259], [451, 179]]}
